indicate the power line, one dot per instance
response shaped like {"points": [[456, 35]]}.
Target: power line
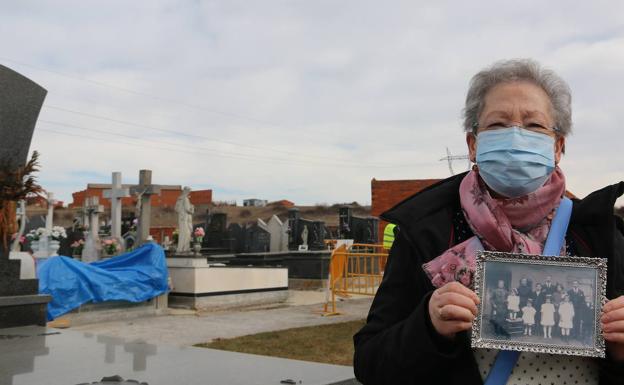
{"points": [[174, 132], [186, 147], [143, 94], [214, 152]]}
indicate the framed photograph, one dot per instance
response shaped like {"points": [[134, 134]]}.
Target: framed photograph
{"points": [[540, 304]]}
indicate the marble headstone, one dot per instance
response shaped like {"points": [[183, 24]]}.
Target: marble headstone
{"points": [[279, 234], [20, 102]]}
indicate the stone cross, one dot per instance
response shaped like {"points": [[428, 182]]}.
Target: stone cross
{"points": [[144, 191], [50, 217], [94, 209], [115, 194]]}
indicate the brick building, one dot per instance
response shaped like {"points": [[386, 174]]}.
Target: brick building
{"points": [[385, 194], [167, 197]]}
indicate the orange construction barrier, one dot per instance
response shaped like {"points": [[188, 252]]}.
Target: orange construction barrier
{"points": [[354, 270]]}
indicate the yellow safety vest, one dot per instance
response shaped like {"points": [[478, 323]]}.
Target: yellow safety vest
{"points": [[388, 238]]}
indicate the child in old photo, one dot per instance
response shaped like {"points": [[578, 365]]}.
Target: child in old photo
{"points": [[528, 317], [566, 314], [513, 303], [548, 316]]}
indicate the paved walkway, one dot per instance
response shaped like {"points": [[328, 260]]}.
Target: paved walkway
{"points": [[185, 328]]}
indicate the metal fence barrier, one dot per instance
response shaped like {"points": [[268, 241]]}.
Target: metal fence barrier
{"points": [[354, 270]]}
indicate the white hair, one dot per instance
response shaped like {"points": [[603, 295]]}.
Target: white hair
{"points": [[528, 70]]}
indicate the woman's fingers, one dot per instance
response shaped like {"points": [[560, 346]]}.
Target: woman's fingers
{"points": [[457, 287], [458, 326], [614, 337], [613, 315], [451, 298], [614, 304], [613, 327], [455, 313]]}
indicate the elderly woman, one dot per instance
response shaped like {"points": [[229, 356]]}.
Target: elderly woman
{"points": [[517, 117]]}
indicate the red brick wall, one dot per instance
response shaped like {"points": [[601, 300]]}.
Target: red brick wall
{"points": [[165, 198], [385, 194]]}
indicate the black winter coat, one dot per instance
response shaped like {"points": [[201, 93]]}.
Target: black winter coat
{"points": [[398, 344]]}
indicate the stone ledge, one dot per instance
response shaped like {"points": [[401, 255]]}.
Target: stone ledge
{"points": [[18, 300]]}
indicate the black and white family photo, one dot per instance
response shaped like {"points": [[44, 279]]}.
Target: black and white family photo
{"points": [[539, 304]]}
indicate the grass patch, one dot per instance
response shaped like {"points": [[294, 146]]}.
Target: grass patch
{"points": [[330, 344]]}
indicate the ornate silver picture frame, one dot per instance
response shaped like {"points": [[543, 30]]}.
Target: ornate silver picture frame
{"points": [[540, 304]]}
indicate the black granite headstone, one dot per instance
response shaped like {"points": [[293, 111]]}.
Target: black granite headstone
{"points": [[344, 222], [257, 239], [296, 224], [365, 230], [361, 230], [20, 103], [216, 230], [236, 238], [294, 230]]}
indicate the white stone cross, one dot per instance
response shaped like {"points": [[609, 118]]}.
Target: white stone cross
{"points": [[94, 208], [144, 191], [50, 217], [115, 194]]}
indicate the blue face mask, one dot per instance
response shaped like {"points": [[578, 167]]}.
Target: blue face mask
{"points": [[514, 161]]}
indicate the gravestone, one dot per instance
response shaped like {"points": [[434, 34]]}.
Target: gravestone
{"points": [[43, 249], [91, 250], [361, 230], [294, 232], [115, 194], [236, 238], [20, 103], [315, 232], [279, 234], [216, 231], [345, 213], [144, 191], [257, 239]]}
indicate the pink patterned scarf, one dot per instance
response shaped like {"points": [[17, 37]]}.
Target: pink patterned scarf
{"points": [[518, 225]]}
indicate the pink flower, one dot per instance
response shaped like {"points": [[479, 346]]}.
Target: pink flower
{"points": [[465, 278], [451, 263], [438, 281], [108, 242]]}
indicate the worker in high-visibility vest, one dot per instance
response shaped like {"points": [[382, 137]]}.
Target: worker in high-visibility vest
{"points": [[388, 238]]}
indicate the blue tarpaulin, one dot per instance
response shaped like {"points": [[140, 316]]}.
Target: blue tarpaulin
{"points": [[135, 277]]}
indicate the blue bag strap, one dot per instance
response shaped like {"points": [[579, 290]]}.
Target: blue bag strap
{"points": [[506, 359]]}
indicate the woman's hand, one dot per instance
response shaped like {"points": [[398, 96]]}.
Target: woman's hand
{"points": [[453, 307], [613, 327]]}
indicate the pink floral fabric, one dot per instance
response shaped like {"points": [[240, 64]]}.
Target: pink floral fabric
{"points": [[518, 225]]}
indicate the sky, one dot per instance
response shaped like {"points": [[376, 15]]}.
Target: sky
{"points": [[299, 100]]}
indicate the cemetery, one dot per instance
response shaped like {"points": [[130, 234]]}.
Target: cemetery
{"points": [[99, 268]]}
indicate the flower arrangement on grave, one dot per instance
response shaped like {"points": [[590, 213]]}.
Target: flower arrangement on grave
{"points": [[199, 234], [15, 185], [175, 236], [21, 240], [77, 247], [111, 246], [58, 233]]}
